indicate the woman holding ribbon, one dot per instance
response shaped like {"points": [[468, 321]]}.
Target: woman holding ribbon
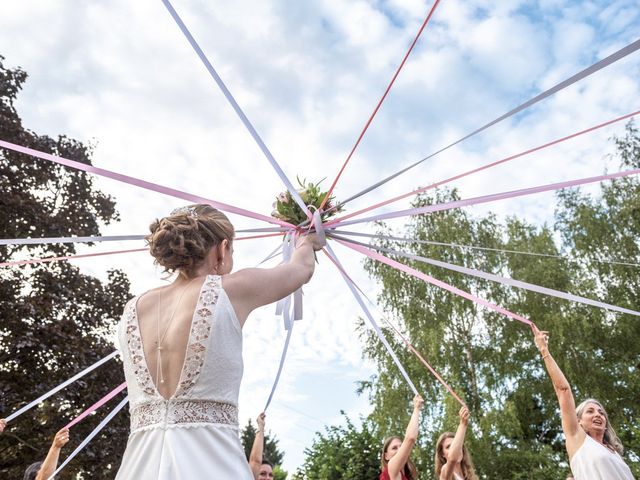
{"points": [[182, 348], [394, 459], [44, 470], [262, 468], [593, 447], [453, 461]]}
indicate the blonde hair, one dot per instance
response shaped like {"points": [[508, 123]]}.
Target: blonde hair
{"points": [[610, 439], [181, 240], [468, 470], [409, 469]]}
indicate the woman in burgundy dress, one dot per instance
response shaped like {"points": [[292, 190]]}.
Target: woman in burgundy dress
{"points": [[395, 461]]}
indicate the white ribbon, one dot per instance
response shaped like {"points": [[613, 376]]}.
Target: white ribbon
{"points": [[372, 321], [16, 414], [283, 305], [227, 93], [317, 223], [41, 241], [273, 254], [95, 431], [282, 359], [497, 278]]}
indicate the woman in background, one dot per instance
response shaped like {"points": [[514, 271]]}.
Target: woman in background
{"points": [[593, 447], [395, 461], [453, 461]]}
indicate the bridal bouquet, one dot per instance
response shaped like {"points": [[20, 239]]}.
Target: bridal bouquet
{"points": [[285, 208]]}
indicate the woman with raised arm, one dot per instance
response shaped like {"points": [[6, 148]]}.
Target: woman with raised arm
{"points": [[593, 447], [395, 461], [260, 467], [453, 461], [181, 348], [44, 470]]}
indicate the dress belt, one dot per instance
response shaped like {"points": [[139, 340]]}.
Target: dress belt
{"points": [[160, 413]]}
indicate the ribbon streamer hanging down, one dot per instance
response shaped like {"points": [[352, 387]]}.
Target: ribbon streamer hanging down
{"points": [[140, 183], [473, 247], [497, 278], [436, 282], [55, 390], [68, 257], [97, 405], [614, 57], [283, 357], [288, 247], [479, 169], [212, 71], [95, 431], [491, 198], [284, 309], [374, 324], [291, 314]]}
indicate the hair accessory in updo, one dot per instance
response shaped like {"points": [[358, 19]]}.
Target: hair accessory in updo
{"points": [[182, 240], [190, 211]]}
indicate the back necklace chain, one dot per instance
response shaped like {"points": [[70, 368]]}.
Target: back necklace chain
{"points": [[160, 339]]}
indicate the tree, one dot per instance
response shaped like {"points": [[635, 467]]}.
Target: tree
{"points": [[342, 453], [271, 451], [55, 320], [491, 361]]}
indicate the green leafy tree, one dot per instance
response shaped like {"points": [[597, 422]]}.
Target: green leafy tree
{"points": [[270, 452], [279, 473], [489, 360], [342, 453], [55, 320]]}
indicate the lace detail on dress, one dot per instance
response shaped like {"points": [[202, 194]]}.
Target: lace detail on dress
{"points": [[176, 412], [199, 335], [136, 352]]}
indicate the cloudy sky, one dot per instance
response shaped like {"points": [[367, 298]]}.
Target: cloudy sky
{"points": [[121, 76]]}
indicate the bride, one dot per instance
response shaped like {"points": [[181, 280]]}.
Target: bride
{"points": [[182, 348]]}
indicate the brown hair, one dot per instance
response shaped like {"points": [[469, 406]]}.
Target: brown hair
{"points": [[181, 241], [610, 438], [409, 469], [468, 470]]}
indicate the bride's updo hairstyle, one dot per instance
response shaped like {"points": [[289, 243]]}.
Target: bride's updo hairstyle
{"points": [[181, 241]]}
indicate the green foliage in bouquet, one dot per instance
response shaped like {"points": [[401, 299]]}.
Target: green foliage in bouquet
{"points": [[285, 208]]}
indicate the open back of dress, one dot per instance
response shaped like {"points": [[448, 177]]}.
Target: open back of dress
{"points": [[194, 434]]}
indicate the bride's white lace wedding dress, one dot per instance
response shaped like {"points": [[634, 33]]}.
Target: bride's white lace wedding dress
{"points": [[194, 434]]}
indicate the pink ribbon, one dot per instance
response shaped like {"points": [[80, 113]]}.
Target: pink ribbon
{"points": [[426, 364], [407, 343], [433, 281], [376, 328], [97, 405], [479, 169], [68, 257], [384, 95], [140, 183], [113, 252], [499, 279], [266, 235], [491, 198]]}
